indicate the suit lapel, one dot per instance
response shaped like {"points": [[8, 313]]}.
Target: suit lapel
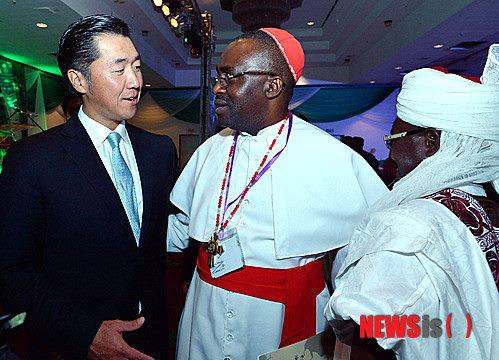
{"points": [[146, 177], [82, 152]]}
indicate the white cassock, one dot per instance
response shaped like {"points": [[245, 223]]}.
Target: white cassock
{"points": [[419, 258], [306, 204]]}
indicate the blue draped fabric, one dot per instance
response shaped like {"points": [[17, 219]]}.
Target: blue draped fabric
{"points": [[191, 112], [323, 103], [301, 94], [174, 101], [338, 102]]}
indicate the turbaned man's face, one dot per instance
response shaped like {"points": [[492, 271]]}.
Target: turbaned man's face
{"points": [[407, 152]]}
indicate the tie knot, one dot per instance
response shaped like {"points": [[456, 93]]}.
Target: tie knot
{"points": [[114, 139]]}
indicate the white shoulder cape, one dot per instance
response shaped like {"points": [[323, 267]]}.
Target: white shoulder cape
{"points": [[320, 190]]}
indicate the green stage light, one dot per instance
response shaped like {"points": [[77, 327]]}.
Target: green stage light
{"points": [[52, 69]]}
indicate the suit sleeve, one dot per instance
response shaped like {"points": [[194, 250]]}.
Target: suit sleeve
{"points": [[51, 318], [175, 173]]}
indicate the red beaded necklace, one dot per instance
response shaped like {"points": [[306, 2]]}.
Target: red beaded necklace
{"points": [[213, 247], [219, 226]]}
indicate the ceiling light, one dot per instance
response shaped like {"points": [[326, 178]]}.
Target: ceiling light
{"points": [[372, 82], [311, 23], [158, 2], [148, 85], [398, 68], [166, 10], [173, 22], [438, 46], [41, 25]]}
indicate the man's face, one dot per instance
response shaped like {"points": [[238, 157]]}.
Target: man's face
{"points": [[240, 103], [116, 80], [407, 152]]}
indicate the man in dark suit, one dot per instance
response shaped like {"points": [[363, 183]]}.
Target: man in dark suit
{"points": [[84, 209]]}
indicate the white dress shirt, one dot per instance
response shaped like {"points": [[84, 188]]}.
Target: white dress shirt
{"points": [[98, 134]]}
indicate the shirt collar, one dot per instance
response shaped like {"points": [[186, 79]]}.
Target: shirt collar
{"points": [[98, 133]]}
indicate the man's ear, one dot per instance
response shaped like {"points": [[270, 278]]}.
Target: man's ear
{"points": [[432, 141], [273, 87], [78, 81]]}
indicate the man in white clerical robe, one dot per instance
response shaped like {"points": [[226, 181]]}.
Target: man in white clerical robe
{"points": [[289, 190], [430, 248]]}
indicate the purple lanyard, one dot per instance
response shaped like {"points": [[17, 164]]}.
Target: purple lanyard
{"points": [[259, 175]]}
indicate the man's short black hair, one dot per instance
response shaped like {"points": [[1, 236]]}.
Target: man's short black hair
{"points": [[78, 47], [279, 64]]}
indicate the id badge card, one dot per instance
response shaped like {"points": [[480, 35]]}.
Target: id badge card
{"points": [[231, 259]]}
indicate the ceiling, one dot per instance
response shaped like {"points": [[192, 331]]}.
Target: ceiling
{"points": [[352, 41]]}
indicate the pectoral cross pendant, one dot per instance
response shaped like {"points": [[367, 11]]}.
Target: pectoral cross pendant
{"points": [[213, 248]]}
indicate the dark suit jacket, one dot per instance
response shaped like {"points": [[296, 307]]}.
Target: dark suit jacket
{"points": [[68, 256]]}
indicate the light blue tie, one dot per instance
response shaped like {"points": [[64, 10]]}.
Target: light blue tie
{"points": [[124, 184]]}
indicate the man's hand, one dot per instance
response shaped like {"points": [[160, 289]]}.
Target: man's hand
{"points": [[109, 344], [348, 332]]}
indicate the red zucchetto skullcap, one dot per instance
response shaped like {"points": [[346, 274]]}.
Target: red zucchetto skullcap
{"points": [[291, 49]]}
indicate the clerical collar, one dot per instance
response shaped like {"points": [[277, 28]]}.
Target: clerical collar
{"points": [[266, 132]]}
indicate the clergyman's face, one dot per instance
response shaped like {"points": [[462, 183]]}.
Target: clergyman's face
{"points": [[116, 80], [240, 101], [407, 152]]}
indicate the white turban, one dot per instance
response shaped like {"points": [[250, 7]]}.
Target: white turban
{"points": [[431, 98], [468, 115]]}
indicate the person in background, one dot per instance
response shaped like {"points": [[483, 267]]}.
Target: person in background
{"points": [[356, 143], [83, 221], [369, 157], [266, 197], [437, 228]]}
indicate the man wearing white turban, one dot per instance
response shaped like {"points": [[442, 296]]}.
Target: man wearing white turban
{"points": [[430, 247]]}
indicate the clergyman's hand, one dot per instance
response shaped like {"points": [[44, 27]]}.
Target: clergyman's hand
{"points": [[108, 343]]}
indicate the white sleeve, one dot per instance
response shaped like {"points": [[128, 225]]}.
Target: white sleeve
{"points": [[177, 238], [383, 283]]}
